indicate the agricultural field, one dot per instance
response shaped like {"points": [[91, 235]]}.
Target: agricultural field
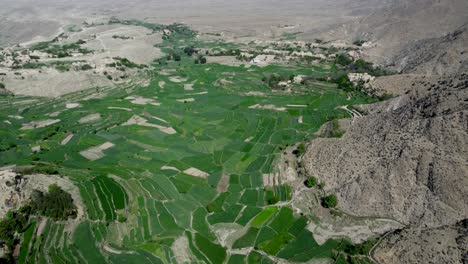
{"points": [[172, 171]]}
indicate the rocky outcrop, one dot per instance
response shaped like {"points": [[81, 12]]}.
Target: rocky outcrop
{"points": [[406, 160]]}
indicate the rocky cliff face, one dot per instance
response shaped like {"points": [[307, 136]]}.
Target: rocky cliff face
{"points": [[407, 160]]}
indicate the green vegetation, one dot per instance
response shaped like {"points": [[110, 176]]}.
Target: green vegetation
{"points": [[311, 182], [141, 195], [2, 85], [336, 131], [124, 62], [330, 201], [60, 51]]}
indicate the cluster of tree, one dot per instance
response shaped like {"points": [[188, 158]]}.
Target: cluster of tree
{"points": [[360, 65], [60, 51], [273, 80], [56, 203], [190, 50], [174, 56], [13, 224], [124, 62]]}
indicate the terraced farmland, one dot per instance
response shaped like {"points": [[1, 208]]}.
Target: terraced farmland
{"points": [[169, 174]]}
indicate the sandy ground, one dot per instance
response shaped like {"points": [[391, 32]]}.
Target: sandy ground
{"points": [[177, 79], [66, 140], [196, 172], [186, 100], [89, 118], [95, 153], [39, 124], [51, 82], [188, 87], [223, 183], [138, 120], [100, 39], [170, 168], [140, 39], [138, 100], [225, 60], [268, 107], [357, 232], [181, 250], [120, 108], [72, 105]]}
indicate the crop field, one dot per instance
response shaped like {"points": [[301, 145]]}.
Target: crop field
{"points": [[163, 168]]}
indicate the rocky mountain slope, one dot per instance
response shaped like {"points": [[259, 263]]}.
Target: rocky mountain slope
{"points": [[407, 160], [446, 244], [447, 54], [409, 34]]}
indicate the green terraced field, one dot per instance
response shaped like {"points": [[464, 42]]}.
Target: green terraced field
{"points": [[163, 170]]}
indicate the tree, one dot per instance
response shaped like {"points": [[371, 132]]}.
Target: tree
{"points": [[299, 150], [343, 59], [176, 57], [329, 201], [190, 50], [200, 60], [310, 182]]}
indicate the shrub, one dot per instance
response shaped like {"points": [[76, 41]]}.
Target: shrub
{"points": [[310, 182], [329, 201], [2, 86], [190, 50], [359, 42], [358, 249], [336, 131], [200, 60], [321, 185], [121, 218], [86, 67], [299, 150]]}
